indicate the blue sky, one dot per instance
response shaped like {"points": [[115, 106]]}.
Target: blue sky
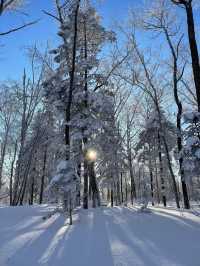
{"points": [[13, 47]]}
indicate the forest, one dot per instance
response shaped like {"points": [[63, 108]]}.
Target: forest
{"points": [[100, 133]]}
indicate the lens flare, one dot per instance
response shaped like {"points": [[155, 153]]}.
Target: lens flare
{"points": [[91, 155]]}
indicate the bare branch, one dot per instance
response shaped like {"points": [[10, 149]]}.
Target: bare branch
{"points": [[19, 28], [51, 15]]}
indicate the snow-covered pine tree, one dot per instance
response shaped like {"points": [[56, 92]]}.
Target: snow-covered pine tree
{"points": [[112, 156], [72, 89], [151, 145], [191, 150]]}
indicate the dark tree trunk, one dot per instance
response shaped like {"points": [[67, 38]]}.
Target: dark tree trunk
{"points": [[108, 195], [172, 174], [85, 185], [151, 175], [164, 200], [168, 160], [193, 50], [94, 186], [71, 88], [122, 195], [193, 46], [157, 186], [151, 181], [11, 174], [3, 153], [22, 190], [32, 192], [111, 198], [185, 195], [133, 189], [126, 192], [43, 176], [71, 83], [23, 187], [85, 140], [70, 209], [178, 117], [78, 198], [152, 194]]}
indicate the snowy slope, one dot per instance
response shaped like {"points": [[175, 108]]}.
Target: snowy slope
{"points": [[99, 237]]}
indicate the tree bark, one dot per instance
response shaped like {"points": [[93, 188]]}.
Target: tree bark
{"points": [[164, 200], [11, 174], [94, 186], [151, 177], [43, 176], [85, 139], [178, 116], [111, 197], [193, 50], [3, 153], [122, 194]]}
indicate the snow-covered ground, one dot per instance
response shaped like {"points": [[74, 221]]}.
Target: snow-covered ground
{"points": [[119, 236]]}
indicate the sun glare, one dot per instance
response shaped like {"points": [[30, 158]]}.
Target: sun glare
{"points": [[91, 155]]}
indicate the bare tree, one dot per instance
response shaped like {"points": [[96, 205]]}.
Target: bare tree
{"points": [[187, 4], [29, 96], [8, 113], [160, 21], [11, 5]]}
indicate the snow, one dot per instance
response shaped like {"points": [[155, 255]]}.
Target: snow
{"points": [[65, 173], [192, 141], [62, 165], [190, 116], [197, 153], [119, 236]]}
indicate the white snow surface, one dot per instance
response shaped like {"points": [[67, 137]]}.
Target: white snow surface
{"points": [[119, 236]]}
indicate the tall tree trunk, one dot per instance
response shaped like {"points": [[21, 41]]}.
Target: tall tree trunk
{"points": [[151, 177], [43, 176], [111, 197], [193, 46], [108, 195], [164, 200], [193, 50], [71, 83], [78, 187], [3, 153], [85, 139], [122, 195], [94, 186], [172, 174], [118, 198], [18, 172], [129, 153], [133, 189], [152, 193], [179, 115], [11, 174], [126, 192], [70, 208], [168, 158], [71, 88], [32, 191], [156, 176]]}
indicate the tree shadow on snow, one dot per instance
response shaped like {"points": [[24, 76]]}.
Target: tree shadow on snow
{"points": [[156, 239]]}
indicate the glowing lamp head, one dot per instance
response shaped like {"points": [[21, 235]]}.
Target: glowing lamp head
{"points": [[91, 155]]}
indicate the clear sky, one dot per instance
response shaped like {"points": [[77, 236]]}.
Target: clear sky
{"points": [[12, 47]]}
